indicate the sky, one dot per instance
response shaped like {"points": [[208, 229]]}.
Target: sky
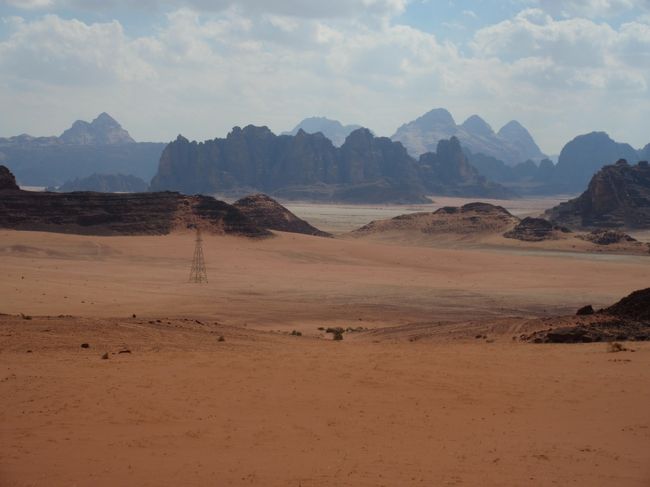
{"points": [[200, 67]]}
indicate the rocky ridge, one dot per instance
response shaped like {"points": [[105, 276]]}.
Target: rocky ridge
{"points": [[120, 214], [265, 212]]}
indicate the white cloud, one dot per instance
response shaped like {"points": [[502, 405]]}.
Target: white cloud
{"points": [[590, 8], [200, 74]]}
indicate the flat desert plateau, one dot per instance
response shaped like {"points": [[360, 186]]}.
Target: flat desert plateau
{"points": [[412, 398]]}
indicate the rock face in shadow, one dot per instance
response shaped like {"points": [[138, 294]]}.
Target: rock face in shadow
{"points": [[618, 196], [536, 230], [584, 156], [120, 214], [365, 169], [265, 212], [635, 306], [7, 179], [447, 172], [106, 183]]}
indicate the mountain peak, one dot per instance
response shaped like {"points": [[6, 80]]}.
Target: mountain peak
{"points": [[477, 126], [103, 130], [437, 117]]}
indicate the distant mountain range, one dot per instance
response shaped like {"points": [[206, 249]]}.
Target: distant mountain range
{"points": [[512, 144], [317, 161], [365, 169], [332, 129], [104, 183], [101, 146]]}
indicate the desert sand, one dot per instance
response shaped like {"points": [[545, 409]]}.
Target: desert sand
{"points": [[417, 400]]}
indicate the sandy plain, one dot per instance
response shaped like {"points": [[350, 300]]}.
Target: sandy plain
{"points": [[417, 400]]}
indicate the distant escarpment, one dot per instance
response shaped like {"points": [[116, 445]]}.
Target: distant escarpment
{"points": [[120, 214], [618, 196], [265, 212], [365, 169], [100, 146], [105, 183]]}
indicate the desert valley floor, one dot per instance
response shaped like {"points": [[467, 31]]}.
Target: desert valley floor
{"points": [[411, 398]]}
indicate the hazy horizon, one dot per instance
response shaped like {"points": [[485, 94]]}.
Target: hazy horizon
{"points": [[199, 68]]}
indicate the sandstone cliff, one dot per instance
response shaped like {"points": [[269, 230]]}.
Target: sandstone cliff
{"points": [[618, 196]]}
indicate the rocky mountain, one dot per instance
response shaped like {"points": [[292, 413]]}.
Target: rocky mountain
{"points": [[585, 155], [265, 212], [332, 129], [448, 172], [105, 183], [618, 196], [365, 169], [104, 130], [512, 144], [101, 146], [92, 213]]}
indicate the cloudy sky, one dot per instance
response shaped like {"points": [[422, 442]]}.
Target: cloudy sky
{"points": [[199, 67]]}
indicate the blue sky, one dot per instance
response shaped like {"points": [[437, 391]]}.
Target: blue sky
{"points": [[199, 67]]}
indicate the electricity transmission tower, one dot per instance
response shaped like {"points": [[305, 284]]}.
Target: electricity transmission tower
{"points": [[198, 272]]}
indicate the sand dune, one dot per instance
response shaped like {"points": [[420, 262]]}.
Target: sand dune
{"points": [[415, 399]]}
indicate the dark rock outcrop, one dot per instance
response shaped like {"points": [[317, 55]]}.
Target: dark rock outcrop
{"points": [[121, 214], [629, 319], [585, 311], [618, 196], [365, 169], [635, 306], [536, 230], [607, 237], [7, 179], [105, 183], [265, 212]]}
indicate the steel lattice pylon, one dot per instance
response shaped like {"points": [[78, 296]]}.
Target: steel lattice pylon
{"points": [[198, 272]]}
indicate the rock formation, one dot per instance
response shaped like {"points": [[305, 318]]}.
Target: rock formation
{"points": [[470, 219], [105, 183], [618, 196], [448, 172], [120, 214], [7, 179], [332, 129], [536, 230], [513, 144], [265, 212], [635, 306], [365, 169], [607, 237]]}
